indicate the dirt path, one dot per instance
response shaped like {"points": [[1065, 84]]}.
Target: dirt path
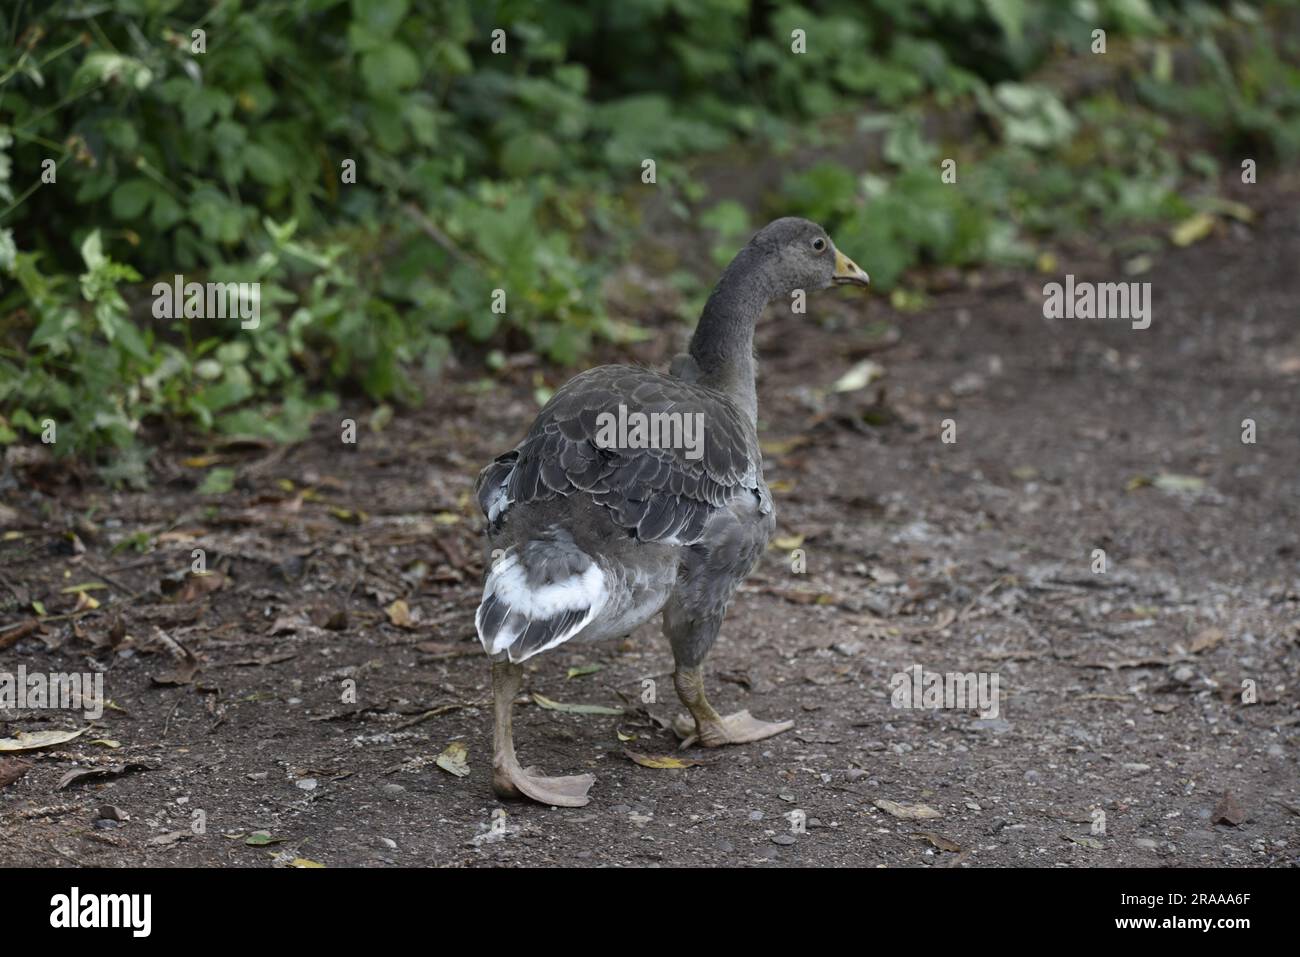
{"points": [[1121, 692]]}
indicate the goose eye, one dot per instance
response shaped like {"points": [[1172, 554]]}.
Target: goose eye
{"points": [[819, 244]]}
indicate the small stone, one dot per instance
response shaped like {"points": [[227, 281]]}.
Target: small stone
{"points": [[855, 773], [967, 383], [393, 790], [1147, 843], [1228, 811], [389, 843], [885, 576], [787, 797], [756, 815], [257, 775], [879, 605], [306, 784], [104, 824], [1184, 675], [785, 840], [996, 725], [110, 813]]}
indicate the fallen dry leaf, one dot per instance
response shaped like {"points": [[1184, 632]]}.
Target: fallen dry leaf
{"points": [[859, 376], [737, 678], [453, 759], [350, 516], [187, 665], [1089, 842], [802, 596], [912, 812], [286, 625], [551, 705], [11, 769], [331, 619], [661, 761], [83, 587], [1193, 228], [193, 586], [76, 775], [31, 741], [938, 840], [399, 614], [1173, 482], [21, 630], [1207, 639]]}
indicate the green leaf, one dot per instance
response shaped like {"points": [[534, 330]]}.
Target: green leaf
{"points": [[130, 198], [380, 16], [1010, 16], [100, 67], [166, 211], [390, 67], [217, 482], [92, 251], [263, 164], [8, 250]]}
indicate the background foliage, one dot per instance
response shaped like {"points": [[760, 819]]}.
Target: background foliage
{"points": [[521, 171]]}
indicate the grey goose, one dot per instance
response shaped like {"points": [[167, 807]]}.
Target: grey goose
{"points": [[592, 530]]}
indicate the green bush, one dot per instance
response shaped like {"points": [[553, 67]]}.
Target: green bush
{"points": [[475, 172]]}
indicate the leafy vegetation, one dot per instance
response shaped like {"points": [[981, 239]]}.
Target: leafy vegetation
{"points": [[133, 148]]}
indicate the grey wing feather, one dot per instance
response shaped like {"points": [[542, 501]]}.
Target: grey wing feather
{"points": [[657, 494]]}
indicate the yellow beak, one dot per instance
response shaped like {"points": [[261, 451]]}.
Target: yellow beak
{"points": [[849, 273]]}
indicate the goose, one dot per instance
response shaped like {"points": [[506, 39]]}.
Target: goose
{"points": [[595, 523]]}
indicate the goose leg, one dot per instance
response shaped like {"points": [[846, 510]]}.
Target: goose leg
{"points": [[712, 729], [509, 780], [691, 637]]}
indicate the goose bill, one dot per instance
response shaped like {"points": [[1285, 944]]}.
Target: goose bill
{"points": [[849, 273]]}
